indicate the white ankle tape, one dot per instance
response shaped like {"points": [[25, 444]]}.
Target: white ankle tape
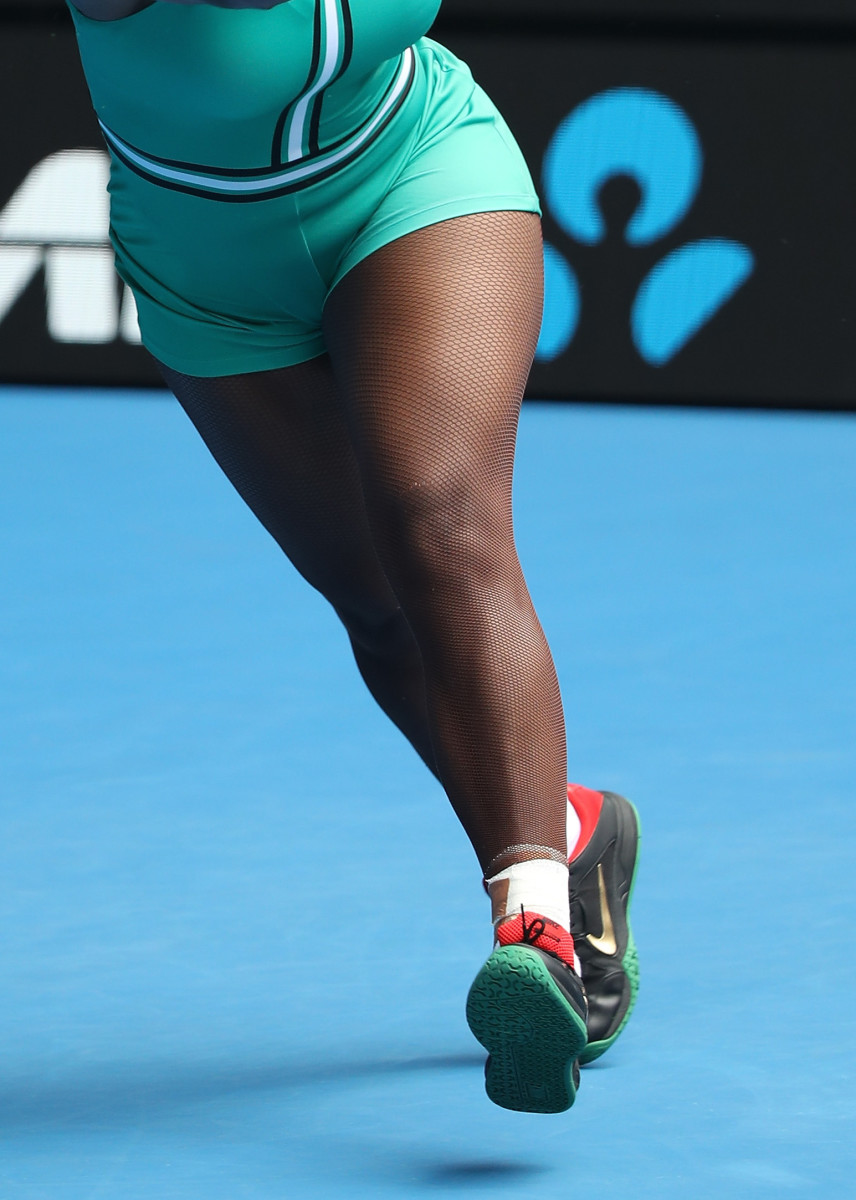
{"points": [[539, 886]]}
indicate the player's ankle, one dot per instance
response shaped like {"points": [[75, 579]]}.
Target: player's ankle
{"points": [[539, 885]]}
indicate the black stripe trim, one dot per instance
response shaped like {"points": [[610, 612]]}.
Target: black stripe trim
{"points": [[315, 125], [260, 172], [348, 32], [276, 157], [276, 147], [347, 48], [316, 46], [286, 189], [231, 198], [223, 172], [201, 168]]}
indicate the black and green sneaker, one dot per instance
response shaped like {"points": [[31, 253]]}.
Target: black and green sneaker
{"points": [[601, 880], [527, 1008]]}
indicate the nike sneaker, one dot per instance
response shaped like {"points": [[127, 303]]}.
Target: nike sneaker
{"points": [[602, 873], [527, 1007]]}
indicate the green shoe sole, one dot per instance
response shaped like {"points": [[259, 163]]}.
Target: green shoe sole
{"points": [[532, 1033]]}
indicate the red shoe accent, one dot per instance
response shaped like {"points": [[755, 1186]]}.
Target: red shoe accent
{"points": [[534, 930], [587, 804]]}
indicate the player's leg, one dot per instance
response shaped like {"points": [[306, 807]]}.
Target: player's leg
{"points": [[278, 435], [431, 339], [281, 439]]}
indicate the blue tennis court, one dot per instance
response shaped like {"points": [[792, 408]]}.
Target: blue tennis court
{"points": [[226, 975]]}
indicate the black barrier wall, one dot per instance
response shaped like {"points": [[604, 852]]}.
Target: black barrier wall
{"points": [[697, 185], [774, 12]]}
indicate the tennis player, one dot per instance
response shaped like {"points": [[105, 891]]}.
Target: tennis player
{"points": [[335, 249]]}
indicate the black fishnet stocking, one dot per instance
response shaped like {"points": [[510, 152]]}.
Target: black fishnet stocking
{"points": [[281, 438], [431, 340], [390, 490]]}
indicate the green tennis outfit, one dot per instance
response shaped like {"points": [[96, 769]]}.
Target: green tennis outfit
{"points": [[259, 155]]}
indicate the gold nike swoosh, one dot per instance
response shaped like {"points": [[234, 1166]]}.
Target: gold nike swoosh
{"points": [[606, 943]]}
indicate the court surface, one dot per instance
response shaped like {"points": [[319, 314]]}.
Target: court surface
{"points": [[239, 921]]}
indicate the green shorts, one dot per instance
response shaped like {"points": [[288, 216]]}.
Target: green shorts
{"points": [[228, 288]]}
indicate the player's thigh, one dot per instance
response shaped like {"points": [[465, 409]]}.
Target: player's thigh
{"points": [[282, 439], [432, 338]]}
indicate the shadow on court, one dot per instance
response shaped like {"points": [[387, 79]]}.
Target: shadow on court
{"points": [[127, 1092], [460, 1174]]}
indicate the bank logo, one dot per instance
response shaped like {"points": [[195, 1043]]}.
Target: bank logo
{"points": [[57, 222], [642, 134]]}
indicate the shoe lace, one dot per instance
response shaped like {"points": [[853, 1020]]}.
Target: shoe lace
{"points": [[533, 930], [539, 932]]}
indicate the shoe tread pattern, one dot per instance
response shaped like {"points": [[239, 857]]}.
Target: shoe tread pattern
{"points": [[530, 1030]]}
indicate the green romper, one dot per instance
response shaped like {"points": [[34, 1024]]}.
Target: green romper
{"points": [[259, 154]]}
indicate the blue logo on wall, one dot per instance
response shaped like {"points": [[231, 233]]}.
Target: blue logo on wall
{"points": [[642, 134]]}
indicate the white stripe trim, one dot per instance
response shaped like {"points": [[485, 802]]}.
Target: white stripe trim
{"points": [[319, 163], [332, 35]]}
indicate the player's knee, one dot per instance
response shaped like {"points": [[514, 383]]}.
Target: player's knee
{"points": [[441, 533], [384, 635]]}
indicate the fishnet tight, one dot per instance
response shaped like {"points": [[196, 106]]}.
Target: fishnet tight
{"points": [[384, 472]]}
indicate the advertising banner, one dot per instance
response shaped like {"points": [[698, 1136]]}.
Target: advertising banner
{"points": [[698, 214], [712, 11], [64, 317]]}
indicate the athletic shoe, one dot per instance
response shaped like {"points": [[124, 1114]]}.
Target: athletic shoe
{"points": [[602, 874], [527, 1007]]}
